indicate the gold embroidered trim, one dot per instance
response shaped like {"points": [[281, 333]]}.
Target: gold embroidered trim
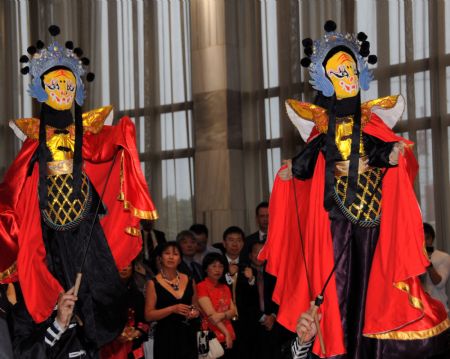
{"points": [[136, 212], [414, 301], [341, 167], [133, 231], [56, 168], [8, 272], [413, 335]]}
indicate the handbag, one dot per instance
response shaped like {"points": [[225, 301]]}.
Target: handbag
{"points": [[208, 345], [149, 343]]}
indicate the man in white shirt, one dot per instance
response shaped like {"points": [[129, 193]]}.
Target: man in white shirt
{"points": [[435, 280]]}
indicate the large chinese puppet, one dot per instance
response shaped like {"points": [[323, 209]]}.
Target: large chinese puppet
{"points": [[70, 203], [345, 226]]}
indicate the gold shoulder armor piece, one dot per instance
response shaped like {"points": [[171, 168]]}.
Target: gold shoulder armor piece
{"points": [[94, 120], [25, 127], [389, 109], [310, 112]]}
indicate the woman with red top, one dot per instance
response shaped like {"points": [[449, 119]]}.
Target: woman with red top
{"points": [[170, 301], [215, 300]]}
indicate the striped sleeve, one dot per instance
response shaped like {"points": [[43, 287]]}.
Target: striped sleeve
{"points": [[300, 351], [53, 333]]}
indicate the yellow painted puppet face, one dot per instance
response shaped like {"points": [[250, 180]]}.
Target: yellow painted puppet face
{"points": [[60, 86], [343, 73]]}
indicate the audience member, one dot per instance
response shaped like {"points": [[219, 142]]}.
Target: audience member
{"points": [[188, 247], [435, 280], [203, 247], [241, 282], [216, 302], [128, 344], [266, 309], [262, 221], [5, 340], [269, 335], [151, 239], [171, 302]]}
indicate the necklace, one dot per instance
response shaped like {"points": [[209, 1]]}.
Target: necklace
{"points": [[175, 286]]}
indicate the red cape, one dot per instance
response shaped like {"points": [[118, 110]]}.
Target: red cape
{"points": [[126, 198], [396, 305]]}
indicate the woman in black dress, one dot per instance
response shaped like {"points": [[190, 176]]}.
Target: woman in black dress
{"points": [[171, 302]]}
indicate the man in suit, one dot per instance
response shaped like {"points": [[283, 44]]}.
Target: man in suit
{"points": [[188, 247], [151, 239], [200, 232], [268, 335], [5, 340], [262, 221], [241, 282]]}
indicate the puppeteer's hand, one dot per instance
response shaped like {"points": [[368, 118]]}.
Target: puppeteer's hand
{"points": [[306, 328], [248, 273], [286, 173], [399, 147], [269, 321], [66, 303]]}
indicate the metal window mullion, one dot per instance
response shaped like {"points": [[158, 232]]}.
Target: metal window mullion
{"points": [[172, 116], [186, 111]]}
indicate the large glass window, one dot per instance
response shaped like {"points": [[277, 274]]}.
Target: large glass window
{"points": [[270, 72]]}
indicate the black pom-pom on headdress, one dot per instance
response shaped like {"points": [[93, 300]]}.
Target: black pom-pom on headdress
{"points": [[25, 70], [361, 36], [365, 45], [372, 59], [40, 44], [69, 45], [364, 52], [78, 51], [307, 42], [54, 30], [330, 26], [24, 59], [31, 50], [90, 77], [305, 62], [85, 61], [308, 51]]}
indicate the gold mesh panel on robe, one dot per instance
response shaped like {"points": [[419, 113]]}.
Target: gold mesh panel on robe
{"points": [[61, 213], [367, 184]]}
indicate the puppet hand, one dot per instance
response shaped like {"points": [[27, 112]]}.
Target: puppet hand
{"points": [[268, 322], [399, 147], [248, 273], [286, 173]]}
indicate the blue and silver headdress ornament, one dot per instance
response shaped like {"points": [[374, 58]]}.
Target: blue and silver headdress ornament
{"points": [[42, 59], [317, 51]]}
